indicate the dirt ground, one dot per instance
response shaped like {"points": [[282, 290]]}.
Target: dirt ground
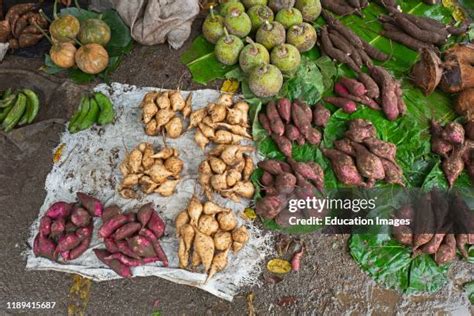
{"points": [[329, 283]]}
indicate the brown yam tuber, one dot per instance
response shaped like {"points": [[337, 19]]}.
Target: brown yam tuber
{"points": [[368, 164], [427, 72], [284, 109], [344, 167], [276, 123], [360, 129], [285, 183], [284, 144], [453, 132], [453, 165], [465, 104], [321, 115]]}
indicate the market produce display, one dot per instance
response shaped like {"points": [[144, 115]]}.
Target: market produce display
{"points": [[18, 108], [349, 91], [227, 171], [94, 109], [150, 172], [281, 32], [432, 231], [210, 232], [66, 228], [222, 122], [160, 112], [455, 144], [20, 28], [131, 239]]}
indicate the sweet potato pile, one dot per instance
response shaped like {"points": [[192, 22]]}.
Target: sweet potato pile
{"points": [[150, 171], [439, 223], [164, 112], [131, 239], [345, 7], [227, 171], [455, 144], [210, 232], [66, 228], [288, 122], [283, 181], [21, 26], [416, 32], [222, 122], [361, 159]]}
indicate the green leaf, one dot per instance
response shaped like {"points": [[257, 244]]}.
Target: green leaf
{"points": [[120, 40], [469, 290], [50, 68]]}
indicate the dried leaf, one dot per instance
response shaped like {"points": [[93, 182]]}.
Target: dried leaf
{"points": [[287, 300], [250, 214], [250, 307], [279, 266], [58, 153], [230, 86]]}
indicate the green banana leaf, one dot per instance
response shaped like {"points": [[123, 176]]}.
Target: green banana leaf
{"points": [[120, 44]]}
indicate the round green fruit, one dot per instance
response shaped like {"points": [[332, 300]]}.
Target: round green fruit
{"points": [[250, 3], [265, 80], [253, 55], [226, 7], [258, 14], [238, 23], [277, 5], [302, 36], [94, 31], [228, 48], [271, 34], [65, 28], [213, 27], [286, 57], [289, 17], [310, 9]]}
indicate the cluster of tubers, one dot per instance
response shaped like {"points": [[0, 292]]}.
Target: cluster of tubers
{"points": [[222, 122], [360, 154], [210, 231], [227, 171], [281, 182], [131, 239], [287, 122], [21, 26], [66, 228], [345, 7], [439, 223], [149, 171], [455, 144], [160, 112]]}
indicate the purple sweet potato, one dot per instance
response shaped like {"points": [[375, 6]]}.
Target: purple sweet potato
{"points": [[403, 234], [360, 129], [131, 217], [355, 87], [447, 251], [156, 225], [304, 189], [45, 226], [160, 253], [300, 118], [344, 167], [129, 262], [306, 109], [346, 105], [80, 217], [266, 179], [285, 183], [388, 91], [59, 210], [453, 133], [276, 123], [58, 226], [68, 242], [321, 115], [44, 247], [144, 213], [292, 132], [453, 166], [269, 206], [432, 246], [142, 246], [119, 268], [84, 232], [393, 173], [110, 245], [124, 248], [284, 109], [345, 145], [284, 144], [371, 86], [285, 166], [271, 166], [313, 136], [109, 227], [318, 181], [265, 122], [439, 145], [309, 171], [93, 205], [109, 212], [368, 164], [80, 249], [380, 148], [126, 230]]}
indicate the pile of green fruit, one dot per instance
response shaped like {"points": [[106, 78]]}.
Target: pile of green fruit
{"points": [[281, 30], [18, 108], [95, 109]]}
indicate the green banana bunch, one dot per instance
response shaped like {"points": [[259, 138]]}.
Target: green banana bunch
{"points": [[92, 109], [18, 108]]}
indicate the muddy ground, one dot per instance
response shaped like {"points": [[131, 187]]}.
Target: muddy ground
{"points": [[330, 282]]}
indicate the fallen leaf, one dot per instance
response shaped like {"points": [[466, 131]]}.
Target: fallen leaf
{"points": [[58, 153], [230, 86], [287, 300], [279, 266], [250, 214], [250, 307]]}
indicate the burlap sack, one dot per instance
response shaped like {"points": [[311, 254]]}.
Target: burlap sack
{"points": [[155, 21]]}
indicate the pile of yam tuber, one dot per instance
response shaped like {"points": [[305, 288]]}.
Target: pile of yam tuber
{"points": [[150, 171], [66, 228], [227, 171], [345, 7], [360, 158], [22, 25], [210, 232], [222, 122], [455, 144], [131, 239], [287, 122], [283, 181], [439, 223], [160, 112]]}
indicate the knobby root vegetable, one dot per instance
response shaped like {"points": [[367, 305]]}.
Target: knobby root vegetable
{"points": [[207, 224], [284, 144], [454, 133], [269, 206], [345, 145], [321, 115], [227, 221], [93, 205], [219, 262], [276, 123], [359, 130], [222, 240], [344, 167]]}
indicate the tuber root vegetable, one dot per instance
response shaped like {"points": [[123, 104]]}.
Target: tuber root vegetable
{"points": [[346, 105], [93, 205], [59, 210], [276, 123], [321, 115], [119, 268], [344, 167]]}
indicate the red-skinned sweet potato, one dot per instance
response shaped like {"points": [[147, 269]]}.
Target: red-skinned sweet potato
{"points": [[300, 118], [265, 122], [57, 227], [119, 268], [93, 205], [284, 109], [142, 246], [321, 115], [271, 166], [129, 262], [124, 248], [156, 225], [284, 144], [109, 227], [80, 217], [266, 179], [292, 132], [313, 136], [276, 123], [110, 245], [346, 105], [269, 206], [285, 183], [68, 242], [344, 167], [380, 148], [80, 249], [109, 212], [447, 251], [44, 247], [144, 213], [126, 230], [45, 226], [59, 210], [353, 86], [84, 232]]}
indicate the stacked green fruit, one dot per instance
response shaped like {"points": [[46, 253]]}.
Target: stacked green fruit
{"points": [[93, 109], [277, 32], [18, 108]]}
